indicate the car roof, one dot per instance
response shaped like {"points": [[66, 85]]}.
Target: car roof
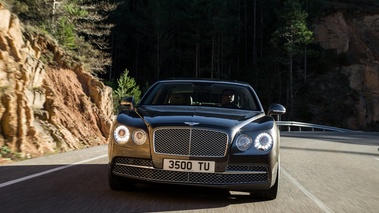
{"points": [[208, 80]]}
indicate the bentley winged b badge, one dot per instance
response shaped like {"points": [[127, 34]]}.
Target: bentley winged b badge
{"points": [[191, 123]]}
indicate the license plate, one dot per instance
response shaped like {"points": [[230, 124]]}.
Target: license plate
{"points": [[189, 165]]}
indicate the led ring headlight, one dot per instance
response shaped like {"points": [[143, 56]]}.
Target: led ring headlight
{"points": [[121, 134], [263, 142]]}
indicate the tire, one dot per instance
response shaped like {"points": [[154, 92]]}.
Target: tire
{"points": [[269, 194], [119, 183]]}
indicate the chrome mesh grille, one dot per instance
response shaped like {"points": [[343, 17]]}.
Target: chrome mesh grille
{"points": [[190, 142], [134, 161], [246, 168], [194, 178]]}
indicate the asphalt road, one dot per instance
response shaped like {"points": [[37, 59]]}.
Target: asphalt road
{"points": [[321, 172]]}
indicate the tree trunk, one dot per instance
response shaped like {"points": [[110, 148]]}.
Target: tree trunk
{"points": [[255, 42], [136, 61], [261, 35], [221, 56], [213, 54], [291, 86], [245, 33], [305, 64], [157, 74], [197, 63], [255, 34]]}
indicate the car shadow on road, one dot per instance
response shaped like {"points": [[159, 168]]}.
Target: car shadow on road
{"points": [[84, 188], [160, 198]]}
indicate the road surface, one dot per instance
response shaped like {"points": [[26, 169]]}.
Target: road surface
{"points": [[320, 172]]}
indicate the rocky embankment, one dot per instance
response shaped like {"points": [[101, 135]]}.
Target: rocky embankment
{"points": [[46, 109], [357, 39]]}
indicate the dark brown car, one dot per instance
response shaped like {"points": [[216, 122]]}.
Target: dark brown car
{"points": [[188, 132]]}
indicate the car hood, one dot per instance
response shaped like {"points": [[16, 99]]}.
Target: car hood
{"points": [[156, 116]]}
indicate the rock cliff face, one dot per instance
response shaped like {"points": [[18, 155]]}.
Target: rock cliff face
{"points": [[43, 109], [358, 38]]}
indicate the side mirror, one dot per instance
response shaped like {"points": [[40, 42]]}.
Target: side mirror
{"points": [[127, 103], [276, 109]]}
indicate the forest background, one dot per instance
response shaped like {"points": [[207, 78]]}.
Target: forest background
{"points": [[267, 43]]}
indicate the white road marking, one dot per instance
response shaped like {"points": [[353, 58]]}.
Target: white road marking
{"points": [[376, 158], [48, 171], [317, 201]]}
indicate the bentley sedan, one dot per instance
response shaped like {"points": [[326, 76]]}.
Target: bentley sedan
{"points": [[199, 132]]}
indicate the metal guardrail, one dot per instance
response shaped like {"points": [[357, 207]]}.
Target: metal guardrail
{"points": [[299, 126]]}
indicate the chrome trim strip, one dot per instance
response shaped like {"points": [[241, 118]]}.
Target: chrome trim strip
{"points": [[136, 166]]}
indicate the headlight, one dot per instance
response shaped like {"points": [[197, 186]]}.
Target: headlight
{"points": [[244, 142], [121, 135], [139, 137], [263, 142]]}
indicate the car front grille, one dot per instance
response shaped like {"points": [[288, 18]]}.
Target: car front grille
{"points": [[235, 174], [190, 142]]}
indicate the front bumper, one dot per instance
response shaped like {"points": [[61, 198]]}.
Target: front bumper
{"points": [[235, 177]]}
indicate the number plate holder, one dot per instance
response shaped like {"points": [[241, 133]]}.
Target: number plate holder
{"points": [[189, 165]]}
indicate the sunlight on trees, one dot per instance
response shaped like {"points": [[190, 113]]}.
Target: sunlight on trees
{"points": [[126, 86], [81, 27]]}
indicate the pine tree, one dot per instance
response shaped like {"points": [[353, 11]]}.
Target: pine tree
{"points": [[95, 29], [291, 37], [127, 86]]}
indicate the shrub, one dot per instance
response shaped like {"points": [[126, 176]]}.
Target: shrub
{"points": [[126, 86]]}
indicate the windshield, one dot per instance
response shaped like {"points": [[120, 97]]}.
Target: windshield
{"points": [[202, 94]]}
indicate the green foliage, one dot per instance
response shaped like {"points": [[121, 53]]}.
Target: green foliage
{"points": [[73, 24], [293, 33], [4, 151], [65, 33], [65, 30], [127, 86], [74, 10], [111, 84], [34, 12]]}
